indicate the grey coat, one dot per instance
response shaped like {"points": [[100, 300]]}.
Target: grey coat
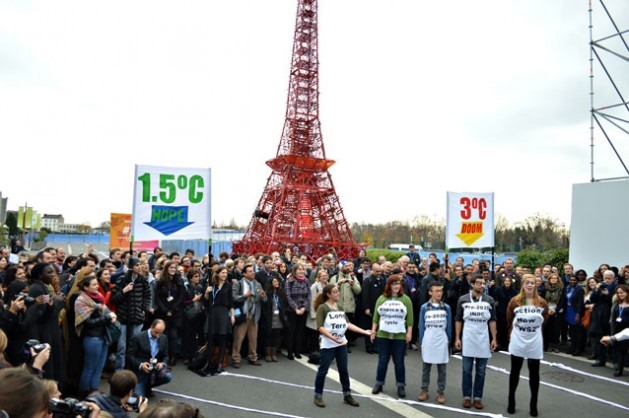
{"points": [[239, 297]]}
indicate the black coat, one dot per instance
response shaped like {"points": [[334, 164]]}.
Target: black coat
{"points": [[18, 329], [267, 310], [599, 323], [170, 299], [502, 296], [47, 330], [373, 287], [131, 307]]}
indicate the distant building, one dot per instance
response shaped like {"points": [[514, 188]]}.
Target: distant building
{"points": [[52, 222], [71, 228]]}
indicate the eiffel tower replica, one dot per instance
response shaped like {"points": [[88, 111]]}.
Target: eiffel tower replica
{"points": [[299, 207]]}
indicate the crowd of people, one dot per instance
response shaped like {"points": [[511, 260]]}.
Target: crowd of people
{"points": [[135, 316]]}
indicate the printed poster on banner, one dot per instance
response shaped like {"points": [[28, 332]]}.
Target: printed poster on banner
{"points": [[120, 234], [470, 222], [171, 203]]}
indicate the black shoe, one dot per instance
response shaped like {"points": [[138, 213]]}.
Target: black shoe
{"points": [[618, 373], [401, 392], [290, 356], [598, 364], [370, 351], [297, 355], [376, 389]]}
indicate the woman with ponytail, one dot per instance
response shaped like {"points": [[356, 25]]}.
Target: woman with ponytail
{"points": [[332, 325]]}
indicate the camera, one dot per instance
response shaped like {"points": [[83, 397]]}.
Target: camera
{"points": [[152, 364], [134, 401], [69, 407], [36, 346], [28, 300]]}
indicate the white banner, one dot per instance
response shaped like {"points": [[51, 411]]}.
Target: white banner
{"points": [[171, 203], [470, 221]]}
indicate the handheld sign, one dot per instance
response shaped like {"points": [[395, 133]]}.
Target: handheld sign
{"points": [[171, 203], [470, 221]]}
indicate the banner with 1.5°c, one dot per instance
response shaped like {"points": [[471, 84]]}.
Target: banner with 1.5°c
{"points": [[171, 203]]}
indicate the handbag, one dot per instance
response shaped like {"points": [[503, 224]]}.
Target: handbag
{"points": [[586, 320], [194, 310], [112, 332], [239, 313]]}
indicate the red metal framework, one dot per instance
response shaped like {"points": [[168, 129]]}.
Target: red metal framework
{"points": [[299, 207]]}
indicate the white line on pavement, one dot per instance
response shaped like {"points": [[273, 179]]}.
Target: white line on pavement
{"points": [[361, 390], [227, 405], [564, 367], [574, 392]]}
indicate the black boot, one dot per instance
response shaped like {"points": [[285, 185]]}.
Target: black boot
{"points": [[511, 405], [533, 407]]}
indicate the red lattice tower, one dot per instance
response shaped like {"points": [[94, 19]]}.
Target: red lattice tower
{"points": [[299, 207]]}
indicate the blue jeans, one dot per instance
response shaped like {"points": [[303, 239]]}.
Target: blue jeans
{"points": [[479, 379], [388, 348], [146, 381], [122, 343], [95, 356], [325, 359]]}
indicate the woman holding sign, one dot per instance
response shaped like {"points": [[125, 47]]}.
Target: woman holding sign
{"points": [[332, 325], [526, 313], [393, 319]]}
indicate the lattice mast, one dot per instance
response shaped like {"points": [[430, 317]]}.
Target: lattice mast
{"points": [[299, 207]]}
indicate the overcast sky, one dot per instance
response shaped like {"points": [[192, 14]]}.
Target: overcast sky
{"points": [[417, 98]]}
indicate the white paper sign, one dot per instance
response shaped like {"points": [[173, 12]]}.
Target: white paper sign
{"points": [[171, 203], [470, 222]]}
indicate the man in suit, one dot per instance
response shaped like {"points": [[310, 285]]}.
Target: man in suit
{"points": [[147, 356]]}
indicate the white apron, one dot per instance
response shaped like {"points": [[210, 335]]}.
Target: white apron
{"points": [[435, 341], [336, 323], [526, 333], [392, 317], [476, 315]]}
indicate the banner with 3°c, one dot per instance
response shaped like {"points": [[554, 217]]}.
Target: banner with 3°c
{"points": [[470, 221]]}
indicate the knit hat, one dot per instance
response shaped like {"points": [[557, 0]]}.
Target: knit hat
{"points": [[132, 262]]}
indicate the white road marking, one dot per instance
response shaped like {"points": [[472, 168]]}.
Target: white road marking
{"points": [[570, 369], [360, 390], [574, 392], [226, 405]]}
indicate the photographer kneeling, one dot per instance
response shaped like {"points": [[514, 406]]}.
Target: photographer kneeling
{"points": [[146, 357], [120, 400]]}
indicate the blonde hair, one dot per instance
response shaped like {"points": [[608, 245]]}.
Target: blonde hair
{"points": [[4, 342], [520, 298], [51, 387]]}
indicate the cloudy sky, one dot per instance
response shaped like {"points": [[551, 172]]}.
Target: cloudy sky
{"points": [[417, 98]]}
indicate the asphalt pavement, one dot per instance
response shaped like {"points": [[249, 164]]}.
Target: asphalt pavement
{"points": [[570, 387]]}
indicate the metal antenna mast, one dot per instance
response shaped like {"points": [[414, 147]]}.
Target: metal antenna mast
{"points": [[613, 116]]}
